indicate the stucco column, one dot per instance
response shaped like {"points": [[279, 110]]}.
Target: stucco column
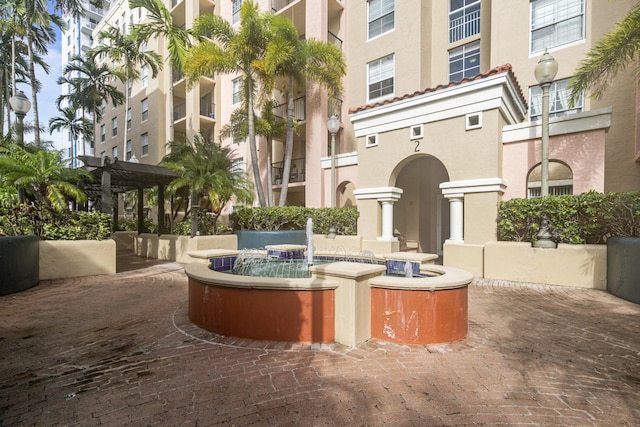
{"points": [[387, 220], [386, 196], [456, 218]]}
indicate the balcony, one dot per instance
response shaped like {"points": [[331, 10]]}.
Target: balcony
{"points": [[299, 112], [207, 107], [179, 112], [296, 174], [277, 5], [464, 26]]}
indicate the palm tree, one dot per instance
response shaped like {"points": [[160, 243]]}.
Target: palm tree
{"points": [[77, 126], [233, 52], [43, 174], [129, 54], [299, 61], [207, 168], [268, 125], [160, 24], [92, 86], [608, 57], [40, 33]]}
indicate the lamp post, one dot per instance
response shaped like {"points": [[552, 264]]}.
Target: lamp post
{"points": [[20, 105], [333, 124], [545, 72]]}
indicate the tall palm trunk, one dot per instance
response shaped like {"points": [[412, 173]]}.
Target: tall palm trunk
{"points": [[32, 75], [288, 148], [252, 145]]}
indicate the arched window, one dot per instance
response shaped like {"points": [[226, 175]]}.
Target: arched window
{"points": [[560, 180]]}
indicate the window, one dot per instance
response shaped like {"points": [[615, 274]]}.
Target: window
{"points": [[144, 143], [371, 140], [103, 133], [560, 180], [464, 19], [144, 75], [464, 61], [114, 126], [381, 17], [556, 22], [128, 150], [103, 154], [416, 132], [103, 107], [129, 118], [380, 77], [237, 85], [558, 101], [124, 23], [144, 106], [114, 152], [237, 167], [235, 11]]}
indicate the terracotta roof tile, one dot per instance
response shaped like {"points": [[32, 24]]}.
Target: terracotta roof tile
{"points": [[505, 68]]}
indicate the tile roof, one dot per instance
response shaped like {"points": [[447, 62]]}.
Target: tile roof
{"points": [[505, 68]]}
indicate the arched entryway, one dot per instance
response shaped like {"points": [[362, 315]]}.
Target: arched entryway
{"points": [[344, 195], [421, 216]]}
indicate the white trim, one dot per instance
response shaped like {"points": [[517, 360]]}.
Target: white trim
{"points": [[571, 123], [344, 159], [454, 189], [379, 193], [498, 91]]}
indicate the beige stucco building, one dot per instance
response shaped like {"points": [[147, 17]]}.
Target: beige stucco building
{"points": [[440, 119]]}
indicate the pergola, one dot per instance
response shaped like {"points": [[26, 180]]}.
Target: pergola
{"points": [[115, 176]]}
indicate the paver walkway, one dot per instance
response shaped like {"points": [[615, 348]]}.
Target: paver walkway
{"points": [[120, 350]]}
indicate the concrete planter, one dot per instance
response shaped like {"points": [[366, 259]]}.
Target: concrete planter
{"points": [[623, 267], [19, 263], [61, 259], [250, 239]]}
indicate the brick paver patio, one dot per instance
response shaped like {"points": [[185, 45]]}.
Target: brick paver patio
{"points": [[120, 350]]}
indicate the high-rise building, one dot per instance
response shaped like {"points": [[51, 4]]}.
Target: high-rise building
{"points": [[76, 40]]}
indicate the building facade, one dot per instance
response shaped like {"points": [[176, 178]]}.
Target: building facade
{"points": [[440, 119]]}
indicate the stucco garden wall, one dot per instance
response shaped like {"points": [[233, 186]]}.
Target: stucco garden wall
{"points": [[171, 247], [76, 258]]}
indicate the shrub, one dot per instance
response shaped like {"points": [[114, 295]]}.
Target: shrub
{"points": [[131, 224], [206, 226], [50, 224], [295, 218], [587, 218]]}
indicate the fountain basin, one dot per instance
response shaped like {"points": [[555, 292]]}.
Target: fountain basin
{"points": [[344, 302]]}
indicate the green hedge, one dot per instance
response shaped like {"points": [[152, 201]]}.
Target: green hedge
{"points": [[587, 218], [206, 226], [49, 224], [295, 218]]}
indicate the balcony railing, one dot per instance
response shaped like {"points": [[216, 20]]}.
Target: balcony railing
{"points": [[179, 112], [277, 5], [207, 108], [296, 173], [299, 112], [464, 26], [332, 38]]}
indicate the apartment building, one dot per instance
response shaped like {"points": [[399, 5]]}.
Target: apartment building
{"points": [[440, 119]]}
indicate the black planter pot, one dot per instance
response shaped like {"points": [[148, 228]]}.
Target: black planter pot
{"points": [[623, 267], [19, 263], [250, 239]]}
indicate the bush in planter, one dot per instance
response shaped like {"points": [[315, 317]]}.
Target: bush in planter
{"points": [[295, 218], [131, 224], [50, 224], [586, 218], [206, 226]]}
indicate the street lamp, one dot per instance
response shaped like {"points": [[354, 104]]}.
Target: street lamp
{"points": [[545, 72], [333, 124], [20, 105]]}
